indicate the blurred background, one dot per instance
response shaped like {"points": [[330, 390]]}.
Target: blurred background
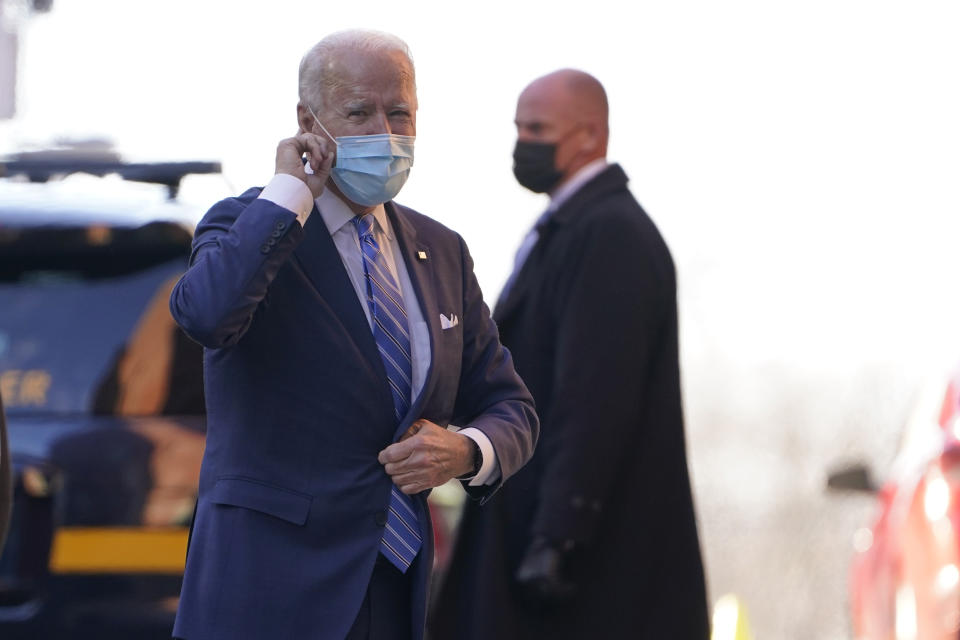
{"points": [[801, 160]]}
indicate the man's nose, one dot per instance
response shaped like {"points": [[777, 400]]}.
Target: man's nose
{"points": [[379, 123]]}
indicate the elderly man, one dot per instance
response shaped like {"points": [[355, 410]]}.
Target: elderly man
{"points": [[596, 537], [344, 336]]}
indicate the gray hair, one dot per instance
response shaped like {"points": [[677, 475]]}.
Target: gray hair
{"points": [[316, 76]]}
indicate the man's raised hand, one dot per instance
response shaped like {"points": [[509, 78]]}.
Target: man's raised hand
{"points": [[320, 153]]}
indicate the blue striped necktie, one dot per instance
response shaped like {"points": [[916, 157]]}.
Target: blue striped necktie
{"points": [[401, 537]]}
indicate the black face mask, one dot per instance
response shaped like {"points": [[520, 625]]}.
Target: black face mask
{"points": [[533, 165]]}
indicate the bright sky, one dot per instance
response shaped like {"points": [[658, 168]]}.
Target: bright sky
{"points": [[801, 159]]}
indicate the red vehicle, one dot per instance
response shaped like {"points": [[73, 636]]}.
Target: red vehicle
{"points": [[905, 578]]}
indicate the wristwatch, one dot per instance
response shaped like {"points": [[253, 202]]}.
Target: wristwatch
{"points": [[477, 461]]}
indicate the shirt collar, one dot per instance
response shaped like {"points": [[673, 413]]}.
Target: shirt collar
{"points": [[336, 214], [586, 173]]}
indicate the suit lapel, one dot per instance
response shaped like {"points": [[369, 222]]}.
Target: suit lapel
{"points": [[321, 262], [527, 275], [610, 179], [422, 277]]}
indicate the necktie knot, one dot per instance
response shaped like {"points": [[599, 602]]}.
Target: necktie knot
{"points": [[364, 225]]}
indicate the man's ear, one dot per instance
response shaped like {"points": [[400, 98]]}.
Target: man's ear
{"points": [[593, 138], [304, 119]]}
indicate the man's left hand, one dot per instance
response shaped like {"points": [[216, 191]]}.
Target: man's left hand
{"points": [[543, 574], [427, 456]]}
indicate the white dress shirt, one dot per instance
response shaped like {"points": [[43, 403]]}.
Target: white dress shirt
{"points": [[293, 194], [585, 174]]}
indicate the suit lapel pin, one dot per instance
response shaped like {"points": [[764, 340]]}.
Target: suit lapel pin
{"points": [[421, 255]]}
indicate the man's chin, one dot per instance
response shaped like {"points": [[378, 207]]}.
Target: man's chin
{"points": [[358, 209]]}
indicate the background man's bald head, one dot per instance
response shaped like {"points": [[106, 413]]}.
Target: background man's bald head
{"points": [[576, 93]]}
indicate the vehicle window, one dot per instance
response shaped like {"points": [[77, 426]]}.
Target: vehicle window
{"points": [[85, 326]]}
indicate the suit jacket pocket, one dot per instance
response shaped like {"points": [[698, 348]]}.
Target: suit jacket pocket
{"points": [[278, 502]]}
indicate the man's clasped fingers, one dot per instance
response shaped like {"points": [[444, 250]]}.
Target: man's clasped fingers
{"points": [[428, 456]]}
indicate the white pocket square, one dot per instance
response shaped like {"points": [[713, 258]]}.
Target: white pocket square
{"points": [[449, 323]]}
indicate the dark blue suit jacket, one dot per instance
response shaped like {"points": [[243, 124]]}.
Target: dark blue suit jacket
{"points": [[292, 498]]}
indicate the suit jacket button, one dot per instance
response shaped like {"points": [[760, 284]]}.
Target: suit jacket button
{"points": [[277, 233], [271, 242], [380, 518], [265, 248], [280, 226]]}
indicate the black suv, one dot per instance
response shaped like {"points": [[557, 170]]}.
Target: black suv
{"points": [[103, 396]]}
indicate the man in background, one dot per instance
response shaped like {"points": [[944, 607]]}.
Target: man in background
{"points": [[596, 537]]}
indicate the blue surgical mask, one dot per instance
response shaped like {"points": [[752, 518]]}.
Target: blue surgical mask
{"points": [[370, 170]]}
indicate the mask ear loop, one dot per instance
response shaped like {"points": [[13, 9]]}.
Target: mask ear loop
{"points": [[317, 120]]}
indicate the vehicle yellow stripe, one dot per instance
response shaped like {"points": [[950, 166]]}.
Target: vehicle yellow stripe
{"points": [[119, 550]]}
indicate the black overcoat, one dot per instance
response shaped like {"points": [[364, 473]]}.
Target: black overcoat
{"points": [[591, 321]]}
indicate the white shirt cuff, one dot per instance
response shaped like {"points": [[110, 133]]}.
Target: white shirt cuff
{"points": [[291, 193], [490, 468]]}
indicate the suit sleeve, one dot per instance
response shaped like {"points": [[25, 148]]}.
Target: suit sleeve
{"points": [[611, 309], [491, 396], [238, 248]]}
